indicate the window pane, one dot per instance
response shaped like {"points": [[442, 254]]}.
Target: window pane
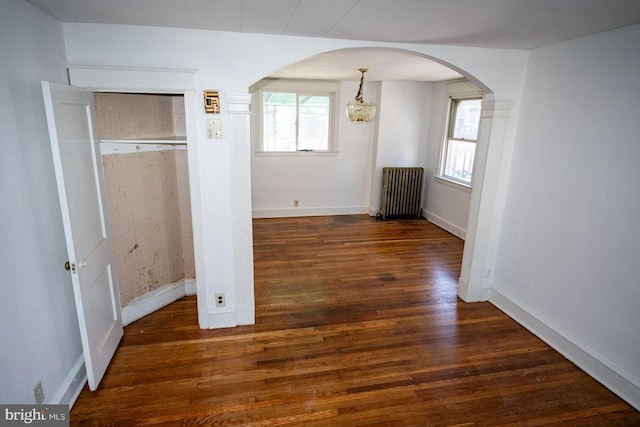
{"points": [[466, 119], [279, 121], [296, 122], [313, 131], [459, 161]]}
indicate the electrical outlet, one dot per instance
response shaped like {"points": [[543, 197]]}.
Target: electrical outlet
{"points": [[296, 203], [220, 300], [38, 393]]}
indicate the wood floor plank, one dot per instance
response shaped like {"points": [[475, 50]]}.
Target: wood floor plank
{"points": [[357, 324]]}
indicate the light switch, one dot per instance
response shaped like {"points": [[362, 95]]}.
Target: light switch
{"points": [[214, 129]]}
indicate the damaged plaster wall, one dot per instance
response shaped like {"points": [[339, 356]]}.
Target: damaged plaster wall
{"points": [[147, 192], [150, 220]]}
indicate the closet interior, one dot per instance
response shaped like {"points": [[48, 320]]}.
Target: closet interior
{"points": [[143, 147]]}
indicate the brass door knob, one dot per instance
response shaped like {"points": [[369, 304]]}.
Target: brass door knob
{"points": [[67, 266]]}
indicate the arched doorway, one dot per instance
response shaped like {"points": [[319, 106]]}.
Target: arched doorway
{"points": [[481, 231]]}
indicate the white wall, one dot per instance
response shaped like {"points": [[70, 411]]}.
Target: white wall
{"points": [[446, 203], [570, 243], [403, 122], [39, 329]]}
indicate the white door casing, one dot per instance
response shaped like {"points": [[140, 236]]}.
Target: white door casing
{"points": [[78, 168], [175, 81]]}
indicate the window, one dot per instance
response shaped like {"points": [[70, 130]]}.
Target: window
{"points": [[296, 116], [460, 142]]}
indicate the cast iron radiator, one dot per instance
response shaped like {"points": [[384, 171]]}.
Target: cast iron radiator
{"points": [[401, 192]]}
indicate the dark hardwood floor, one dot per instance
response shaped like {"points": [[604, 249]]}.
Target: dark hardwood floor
{"points": [[357, 324]]}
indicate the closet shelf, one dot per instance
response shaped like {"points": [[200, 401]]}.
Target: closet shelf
{"points": [[117, 146], [155, 140]]}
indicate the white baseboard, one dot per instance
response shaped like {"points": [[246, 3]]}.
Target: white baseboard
{"points": [[295, 212], [446, 225], [190, 287], [622, 384], [154, 300], [246, 314], [225, 318], [73, 384]]}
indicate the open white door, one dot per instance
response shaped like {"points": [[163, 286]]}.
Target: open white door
{"points": [[78, 168]]}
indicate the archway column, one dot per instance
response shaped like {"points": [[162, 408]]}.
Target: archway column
{"points": [[239, 109], [487, 201]]}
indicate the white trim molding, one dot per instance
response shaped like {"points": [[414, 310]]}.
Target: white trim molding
{"points": [[621, 383], [486, 204], [160, 80], [445, 225], [131, 79], [242, 294], [297, 212], [156, 299], [72, 385], [223, 318], [238, 103]]}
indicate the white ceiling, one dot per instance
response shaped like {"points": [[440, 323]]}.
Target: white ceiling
{"points": [[382, 64], [517, 24]]}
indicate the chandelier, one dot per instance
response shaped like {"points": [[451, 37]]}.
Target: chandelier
{"points": [[358, 110]]}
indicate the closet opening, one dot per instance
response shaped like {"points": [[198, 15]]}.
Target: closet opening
{"points": [[146, 175]]}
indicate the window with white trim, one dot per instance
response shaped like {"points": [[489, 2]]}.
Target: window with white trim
{"points": [[460, 142], [296, 117]]}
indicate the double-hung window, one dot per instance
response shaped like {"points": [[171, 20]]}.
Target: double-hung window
{"points": [[297, 117], [460, 142]]}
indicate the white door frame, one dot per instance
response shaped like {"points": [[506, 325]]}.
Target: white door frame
{"points": [[175, 81]]}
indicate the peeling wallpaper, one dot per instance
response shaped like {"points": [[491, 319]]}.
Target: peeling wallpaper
{"points": [[150, 219], [148, 197]]}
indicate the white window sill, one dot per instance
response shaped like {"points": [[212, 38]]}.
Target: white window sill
{"points": [[295, 153], [453, 184]]}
